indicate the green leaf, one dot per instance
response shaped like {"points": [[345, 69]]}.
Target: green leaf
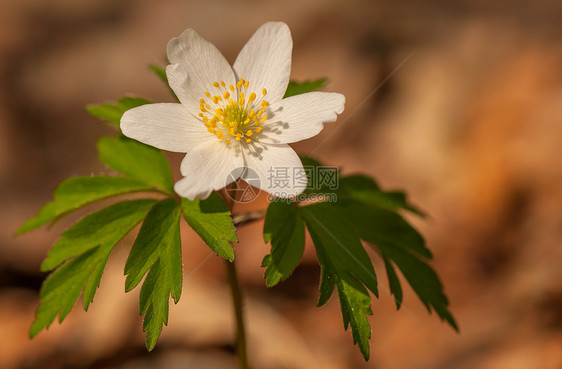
{"points": [[86, 246], [138, 161], [211, 220], [366, 190], [381, 226], [393, 282], [327, 285], [297, 88], [74, 193], [423, 279], [403, 245], [158, 249], [337, 245], [310, 165], [344, 264], [284, 227], [161, 73], [356, 306], [112, 113]]}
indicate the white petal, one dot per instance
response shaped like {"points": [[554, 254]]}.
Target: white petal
{"points": [[195, 64], [165, 126], [265, 60], [278, 168], [207, 168], [299, 117]]}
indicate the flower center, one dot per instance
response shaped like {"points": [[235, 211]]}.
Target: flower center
{"points": [[231, 115]]}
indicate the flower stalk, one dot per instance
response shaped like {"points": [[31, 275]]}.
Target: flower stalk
{"points": [[241, 346], [236, 290]]}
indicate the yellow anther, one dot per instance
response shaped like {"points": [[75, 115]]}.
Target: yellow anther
{"points": [[233, 120]]}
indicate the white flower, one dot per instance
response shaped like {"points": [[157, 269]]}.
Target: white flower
{"points": [[233, 117]]}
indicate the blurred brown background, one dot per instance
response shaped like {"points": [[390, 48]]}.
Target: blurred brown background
{"points": [[470, 126]]}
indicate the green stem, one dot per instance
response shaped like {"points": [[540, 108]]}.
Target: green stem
{"points": [[241, 347]]}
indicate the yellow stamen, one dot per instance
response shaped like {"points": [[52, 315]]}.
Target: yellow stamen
{"points": [[231, 118]]}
